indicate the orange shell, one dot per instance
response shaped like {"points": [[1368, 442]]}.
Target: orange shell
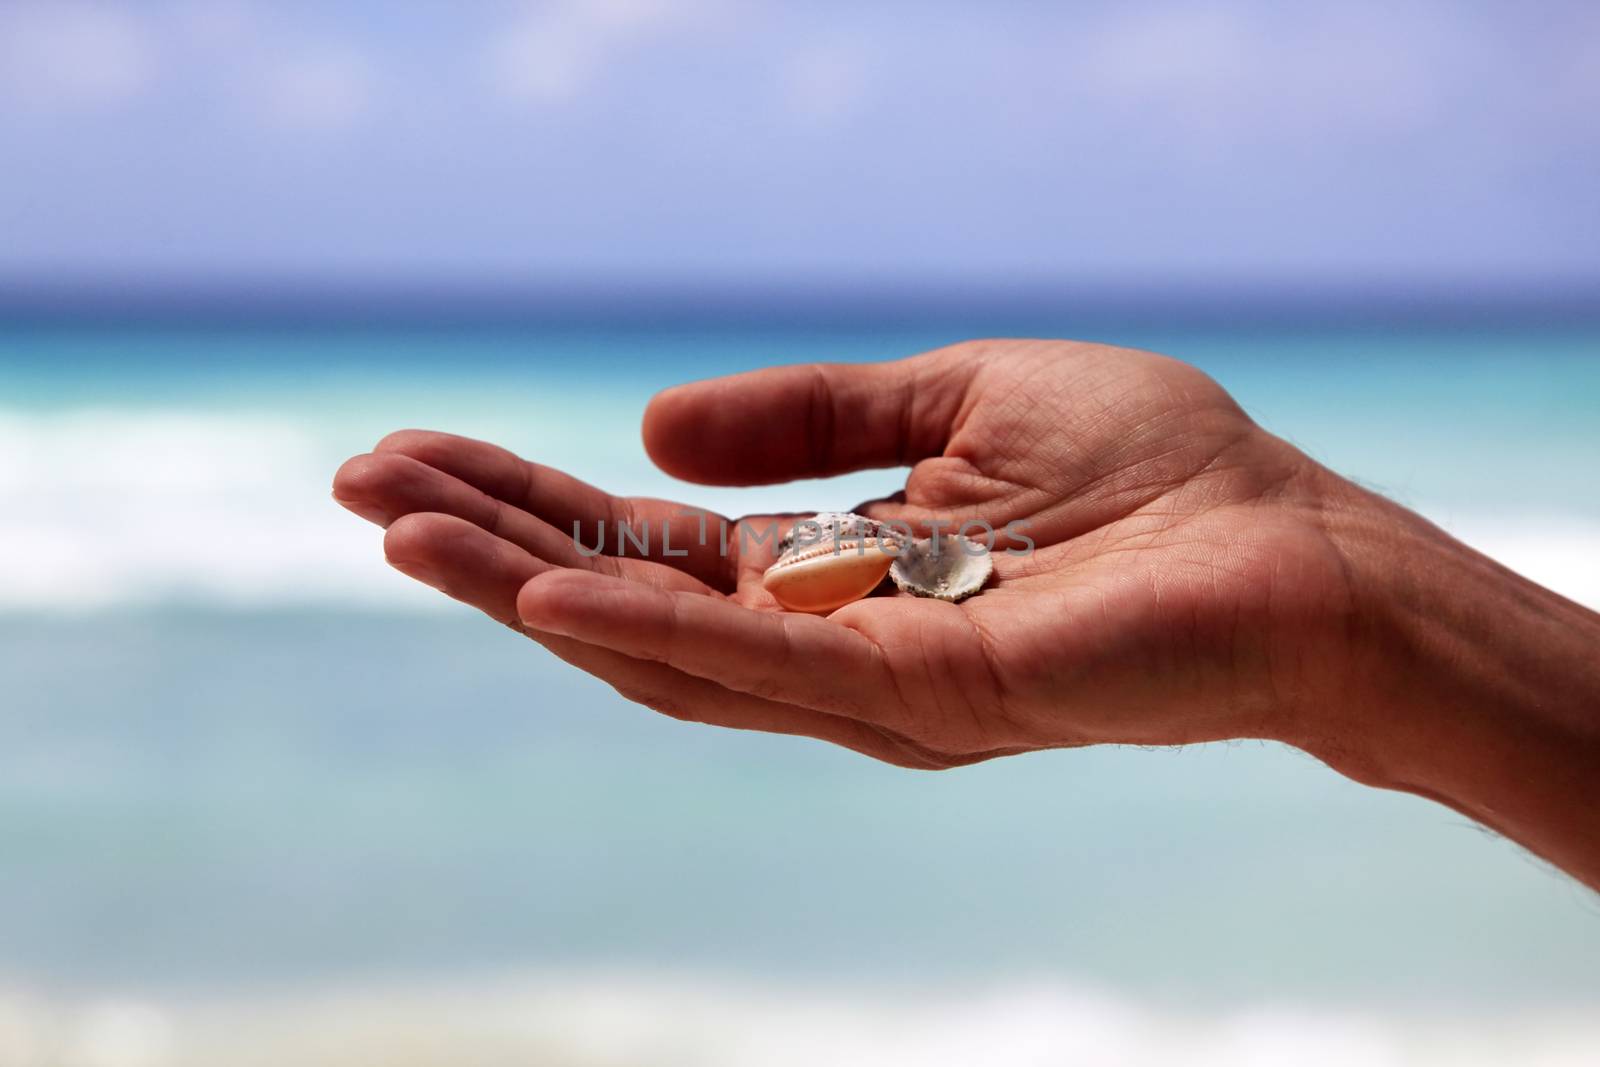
{"points": [[824, 577]]}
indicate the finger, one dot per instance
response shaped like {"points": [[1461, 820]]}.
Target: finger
{"points": [[385, 486], [810, 420], [797, 659], [390, 484], [473, 566], [663, 529], [683, 696], [462, 561]]}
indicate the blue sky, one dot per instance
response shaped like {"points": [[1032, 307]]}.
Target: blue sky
{"points": [[702, 140]]}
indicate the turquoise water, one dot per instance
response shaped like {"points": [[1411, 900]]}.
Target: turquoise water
{"points": [[1493, 418], [265, 797], [235, 749]]}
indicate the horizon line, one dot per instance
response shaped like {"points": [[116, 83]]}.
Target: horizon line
{"points": [[704, 302]]}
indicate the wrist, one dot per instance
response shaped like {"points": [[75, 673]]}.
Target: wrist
{"points": [[1464, 682]]}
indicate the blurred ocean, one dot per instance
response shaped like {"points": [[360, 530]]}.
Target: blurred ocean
{"points": [[252, 782]]}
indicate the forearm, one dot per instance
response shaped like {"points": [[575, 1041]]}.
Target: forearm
{"points": [[1468, 684]]}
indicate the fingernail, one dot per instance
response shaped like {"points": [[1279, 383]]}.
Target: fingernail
{"points": [[371, 512], [420, 572]]}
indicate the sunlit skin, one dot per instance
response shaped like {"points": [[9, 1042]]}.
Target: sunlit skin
{"points": [[1192, 578]]}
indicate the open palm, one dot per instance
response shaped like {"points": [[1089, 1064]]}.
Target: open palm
{"points": [[1168, 579]]}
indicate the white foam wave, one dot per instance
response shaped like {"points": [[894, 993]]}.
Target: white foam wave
{"points": [[105, 508], [582, 1019]]}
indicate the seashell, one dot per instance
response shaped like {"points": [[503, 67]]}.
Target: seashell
{"points": [[951, 568], [829, 560]]}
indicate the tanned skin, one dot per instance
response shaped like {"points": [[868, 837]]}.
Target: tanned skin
{"points": [[1191, 578]]}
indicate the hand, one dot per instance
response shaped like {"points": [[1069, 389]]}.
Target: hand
{"points": [[1192, 578], [1181, 587]]}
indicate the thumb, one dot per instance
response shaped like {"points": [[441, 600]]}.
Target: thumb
{"points": [[809, 420]]}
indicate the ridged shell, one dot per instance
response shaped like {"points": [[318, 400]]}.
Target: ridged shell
{"points": [[954, 572]]}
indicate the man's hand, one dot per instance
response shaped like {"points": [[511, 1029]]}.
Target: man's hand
{"points": [[1176, 565], [1190, 578]]}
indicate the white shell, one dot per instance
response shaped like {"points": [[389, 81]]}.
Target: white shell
{"points": [[953, 571]]}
